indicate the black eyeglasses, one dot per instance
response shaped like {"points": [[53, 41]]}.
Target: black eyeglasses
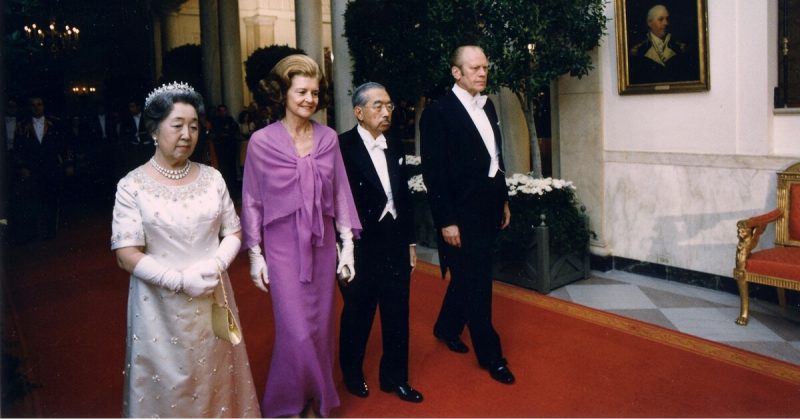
{"points": [[378, 105]]}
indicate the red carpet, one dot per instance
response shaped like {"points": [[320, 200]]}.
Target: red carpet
{"points": [[68, 300]]}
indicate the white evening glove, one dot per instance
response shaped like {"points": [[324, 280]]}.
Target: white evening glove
{"points": [[227, 251], [201, 278], [346, 257], [258, 268], [190, 281]]}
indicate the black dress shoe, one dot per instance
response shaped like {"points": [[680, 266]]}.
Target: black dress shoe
{"points": [[455, 344], [500, 372], [404, 391], [357, 388]]}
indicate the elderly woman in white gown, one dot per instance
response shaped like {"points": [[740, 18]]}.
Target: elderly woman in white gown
{"points": [[176, 231]]}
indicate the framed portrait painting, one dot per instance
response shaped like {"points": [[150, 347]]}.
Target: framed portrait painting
{"points": [[662, 46]]}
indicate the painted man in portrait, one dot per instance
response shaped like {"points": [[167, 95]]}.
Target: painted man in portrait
{"points": [[661, 57]]}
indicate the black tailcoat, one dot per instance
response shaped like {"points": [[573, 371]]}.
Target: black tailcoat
{"points": [[381, 261], [455, 166]]}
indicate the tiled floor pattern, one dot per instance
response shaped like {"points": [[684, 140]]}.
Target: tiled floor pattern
{"points": [[690, 309]]}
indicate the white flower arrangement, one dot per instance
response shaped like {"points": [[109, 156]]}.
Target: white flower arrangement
{"points": [[520, 183], [413, 160], [531, 198], [416, 185]]}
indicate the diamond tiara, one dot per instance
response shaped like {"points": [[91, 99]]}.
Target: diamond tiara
{"points": [[174, 86]]}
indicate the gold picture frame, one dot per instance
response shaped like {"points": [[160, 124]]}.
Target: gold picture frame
{"points": [[656, 58]]}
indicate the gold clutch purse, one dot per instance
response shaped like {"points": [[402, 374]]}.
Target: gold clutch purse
{"points": [[223, 322]]}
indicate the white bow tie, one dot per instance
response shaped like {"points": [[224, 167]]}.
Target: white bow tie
{"points": [[479, 101], [379, 143]]}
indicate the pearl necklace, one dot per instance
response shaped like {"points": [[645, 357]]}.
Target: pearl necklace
{"points": [[174, 174]]}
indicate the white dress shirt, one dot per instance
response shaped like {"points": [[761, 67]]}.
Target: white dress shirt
{"points": [[38, 127], [102, 119], [474, 107], [375, 148]]}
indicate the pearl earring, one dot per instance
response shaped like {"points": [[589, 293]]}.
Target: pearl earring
{"points": [[155, 141]]}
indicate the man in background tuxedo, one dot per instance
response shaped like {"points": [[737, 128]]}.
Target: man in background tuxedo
{"points": [[462, 167], [99, 127], [98, 132], [386, 254], [137, 146], [226, 137], [41, 153], [10, 123]]}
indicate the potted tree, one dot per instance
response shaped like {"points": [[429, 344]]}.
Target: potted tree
{"points": [[406, 46], [547, 243], [545, 246]]}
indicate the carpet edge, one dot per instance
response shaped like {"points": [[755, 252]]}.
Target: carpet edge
{"points": [[714, 350]]}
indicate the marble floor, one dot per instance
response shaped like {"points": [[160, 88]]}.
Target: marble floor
{"points": [[693, 310]]}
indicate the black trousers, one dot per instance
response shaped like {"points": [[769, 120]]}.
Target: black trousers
{"points": [[35, 207], [382, 280], [468, 301]]}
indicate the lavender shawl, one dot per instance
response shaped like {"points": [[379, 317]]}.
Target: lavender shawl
{"points": [[278, 183]]}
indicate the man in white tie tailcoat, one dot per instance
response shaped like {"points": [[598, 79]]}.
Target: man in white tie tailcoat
{"points": [[385, 254], [462, 166]]}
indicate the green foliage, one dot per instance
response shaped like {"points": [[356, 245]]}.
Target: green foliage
{"points": [[184, 64], [399, 44], [261, 62], [533, 42], [406, 45]]}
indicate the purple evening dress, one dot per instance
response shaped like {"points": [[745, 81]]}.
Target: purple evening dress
{"points": [[290, 203]]}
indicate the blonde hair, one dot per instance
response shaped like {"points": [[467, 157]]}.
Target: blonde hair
{"points": [[277, 83]]}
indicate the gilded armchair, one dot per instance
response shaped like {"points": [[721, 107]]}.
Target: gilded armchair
{"points": [[777, 266]]}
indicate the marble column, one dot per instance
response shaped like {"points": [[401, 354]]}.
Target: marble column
{"points": [[231, 54], [259, 32], [308, 28], [580, 146], [342, 65], [308, 31], [169, 31], [209, 40], [514, 129]]}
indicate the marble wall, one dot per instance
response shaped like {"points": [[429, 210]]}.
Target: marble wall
{"points": [[580, 144], [681, 209], [665, 177]]}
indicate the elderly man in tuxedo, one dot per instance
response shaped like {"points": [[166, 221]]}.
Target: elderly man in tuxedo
{"points": [[385, 255], [462, 166]]}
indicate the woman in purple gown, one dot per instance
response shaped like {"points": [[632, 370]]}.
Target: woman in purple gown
{"points": [[295, 198]]}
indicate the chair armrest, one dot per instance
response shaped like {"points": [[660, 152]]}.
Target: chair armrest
{"points": [[749, 232]]}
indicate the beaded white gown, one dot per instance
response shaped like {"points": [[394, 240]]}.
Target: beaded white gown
{"points": [[174, 364]]}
